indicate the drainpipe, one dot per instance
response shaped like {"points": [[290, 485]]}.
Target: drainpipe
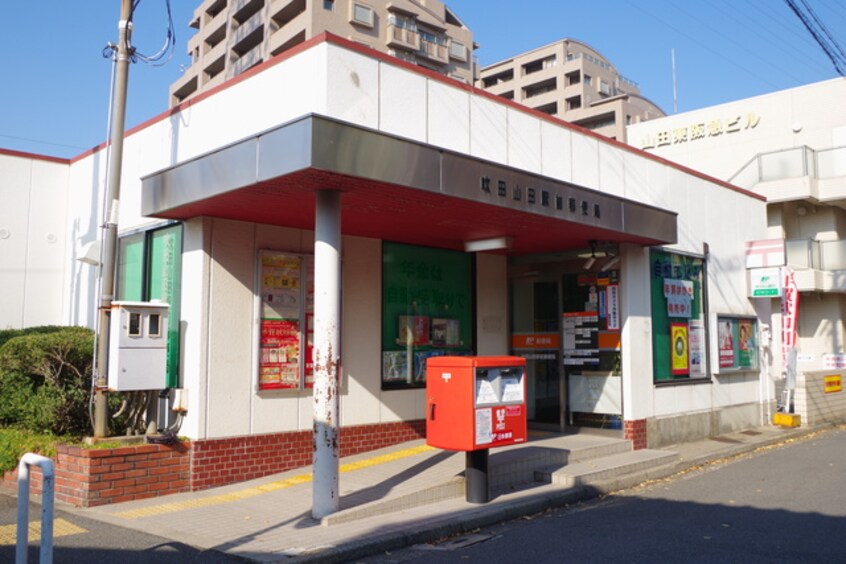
{"points": [[110, 222], [327, 343]]}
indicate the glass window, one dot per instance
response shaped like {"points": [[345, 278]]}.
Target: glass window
{"points": [[150, 268], [427, 305], [286, 313], [679, 320], [362, 14], [457, 50], [738, 343]]}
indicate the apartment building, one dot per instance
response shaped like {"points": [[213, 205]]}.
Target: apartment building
{"points": [[570, 80], [234, 36]]}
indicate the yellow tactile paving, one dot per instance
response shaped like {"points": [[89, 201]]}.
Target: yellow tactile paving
{"points": [[265, 488], [61, 528]]}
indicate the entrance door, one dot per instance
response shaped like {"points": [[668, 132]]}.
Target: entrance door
{"points": [[535, 330]]}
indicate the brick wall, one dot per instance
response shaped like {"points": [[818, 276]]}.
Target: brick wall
{"points": [[90, 477], [218, 462], [814, 403], [635, 431]]}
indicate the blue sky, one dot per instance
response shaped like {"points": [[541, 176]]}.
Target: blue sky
{"points": [[55, 92]]}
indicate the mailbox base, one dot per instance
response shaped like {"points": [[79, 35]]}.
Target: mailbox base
{"points": [[476, 476]]}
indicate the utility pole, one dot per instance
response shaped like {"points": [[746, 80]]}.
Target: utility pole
{"points": [[110, 221]]}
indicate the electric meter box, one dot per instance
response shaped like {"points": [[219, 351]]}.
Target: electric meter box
{"points": [[138, 346], [475, 402]]}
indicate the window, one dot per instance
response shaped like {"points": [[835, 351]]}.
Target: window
{"points": [[329, 5], [362, 14], [574, 103], [679, 318], [738, 343], [573, 78], [150, 268], [427, 305], [457, 50], [286, 320], [588, 80]]}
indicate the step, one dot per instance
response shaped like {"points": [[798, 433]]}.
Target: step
{"points": [[607, 467], [507, 466]]}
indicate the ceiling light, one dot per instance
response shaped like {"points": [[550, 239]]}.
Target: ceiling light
{"points": [[493, 244]]}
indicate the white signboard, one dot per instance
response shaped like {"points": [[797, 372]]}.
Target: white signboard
{"points": [[765, 283], [484, 426]]}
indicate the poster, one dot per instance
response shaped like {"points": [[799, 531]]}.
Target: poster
{"points": [[696, 348], [484, 426], [679, 347], [279, 363], [285, 330], [726, 341], [613, 298], [745, 343]]}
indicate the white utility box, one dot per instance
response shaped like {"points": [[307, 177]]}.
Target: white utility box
{"points": [[138, 346]]}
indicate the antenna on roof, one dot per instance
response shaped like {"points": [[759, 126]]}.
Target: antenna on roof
{"points": [[675, 98]]}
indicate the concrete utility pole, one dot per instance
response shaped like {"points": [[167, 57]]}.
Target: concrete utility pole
{"points": [[327, 343], [110, 221]]}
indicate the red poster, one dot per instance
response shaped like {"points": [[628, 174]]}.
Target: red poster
{"points": [[279, 362]]}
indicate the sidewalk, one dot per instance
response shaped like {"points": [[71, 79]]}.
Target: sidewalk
{"points": [[410, 494]]}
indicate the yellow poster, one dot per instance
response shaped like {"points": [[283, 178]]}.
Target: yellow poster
{"points": [[679, 346]]}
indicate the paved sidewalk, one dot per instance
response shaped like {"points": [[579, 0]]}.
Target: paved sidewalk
{"points": [[391, 498]]}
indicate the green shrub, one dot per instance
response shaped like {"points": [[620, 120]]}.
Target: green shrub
{"points": [[14, 443], [45, 380], [7, 334]]}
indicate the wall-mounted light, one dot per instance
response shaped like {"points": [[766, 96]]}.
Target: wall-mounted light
{"points": [[90, 253], [492, 244]]}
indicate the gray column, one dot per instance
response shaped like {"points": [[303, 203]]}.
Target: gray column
{"points": [[327, 342]]}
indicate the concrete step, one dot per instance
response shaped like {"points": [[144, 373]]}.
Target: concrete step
{"points": [[607, 468], [507, 467]]}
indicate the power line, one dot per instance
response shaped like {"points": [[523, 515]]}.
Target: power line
{"points": [[821, 35]]}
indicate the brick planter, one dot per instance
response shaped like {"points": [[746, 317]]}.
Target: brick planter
{"points": [[91, 477]]}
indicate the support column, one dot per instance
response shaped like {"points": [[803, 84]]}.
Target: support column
{"points": [[327, 342]]}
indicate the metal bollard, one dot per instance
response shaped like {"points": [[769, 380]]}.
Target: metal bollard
{"points": [[46, 465]]}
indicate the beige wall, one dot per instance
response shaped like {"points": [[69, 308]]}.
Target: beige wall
{"points": [[227, 401]]}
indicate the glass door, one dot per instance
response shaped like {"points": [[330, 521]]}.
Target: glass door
{"points": [[535, 335]]}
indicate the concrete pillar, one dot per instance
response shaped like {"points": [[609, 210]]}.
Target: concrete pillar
{"points": [[327, 342]]}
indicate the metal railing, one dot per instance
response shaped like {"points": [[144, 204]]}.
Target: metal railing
{"points": [[791, 163], [818, 255], [48, 478]]}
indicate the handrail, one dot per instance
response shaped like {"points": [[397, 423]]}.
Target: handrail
{"points": [[46, 465]]}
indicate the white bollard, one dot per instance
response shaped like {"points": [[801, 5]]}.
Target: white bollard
{"points": [[46, 465]]}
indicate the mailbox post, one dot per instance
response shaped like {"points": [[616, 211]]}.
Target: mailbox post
{"points": [[474, 403]]}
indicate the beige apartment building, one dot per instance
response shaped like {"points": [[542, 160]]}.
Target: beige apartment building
{"points": [[572, 81], [234, 36]]}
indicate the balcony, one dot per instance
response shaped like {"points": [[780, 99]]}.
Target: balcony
{"points": [[434, 50], [819, 266], [797, 173], [403, 38]]}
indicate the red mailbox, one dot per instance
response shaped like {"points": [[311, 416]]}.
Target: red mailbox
{"points": [[475, 402]]}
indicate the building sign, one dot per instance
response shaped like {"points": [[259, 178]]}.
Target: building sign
{"points": [[581, 206], [717, 127], [833, 383], [765, 283], [521, 341]]}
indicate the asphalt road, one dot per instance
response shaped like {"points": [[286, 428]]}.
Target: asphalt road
{"points": [[81, 540], [783, 504]]}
